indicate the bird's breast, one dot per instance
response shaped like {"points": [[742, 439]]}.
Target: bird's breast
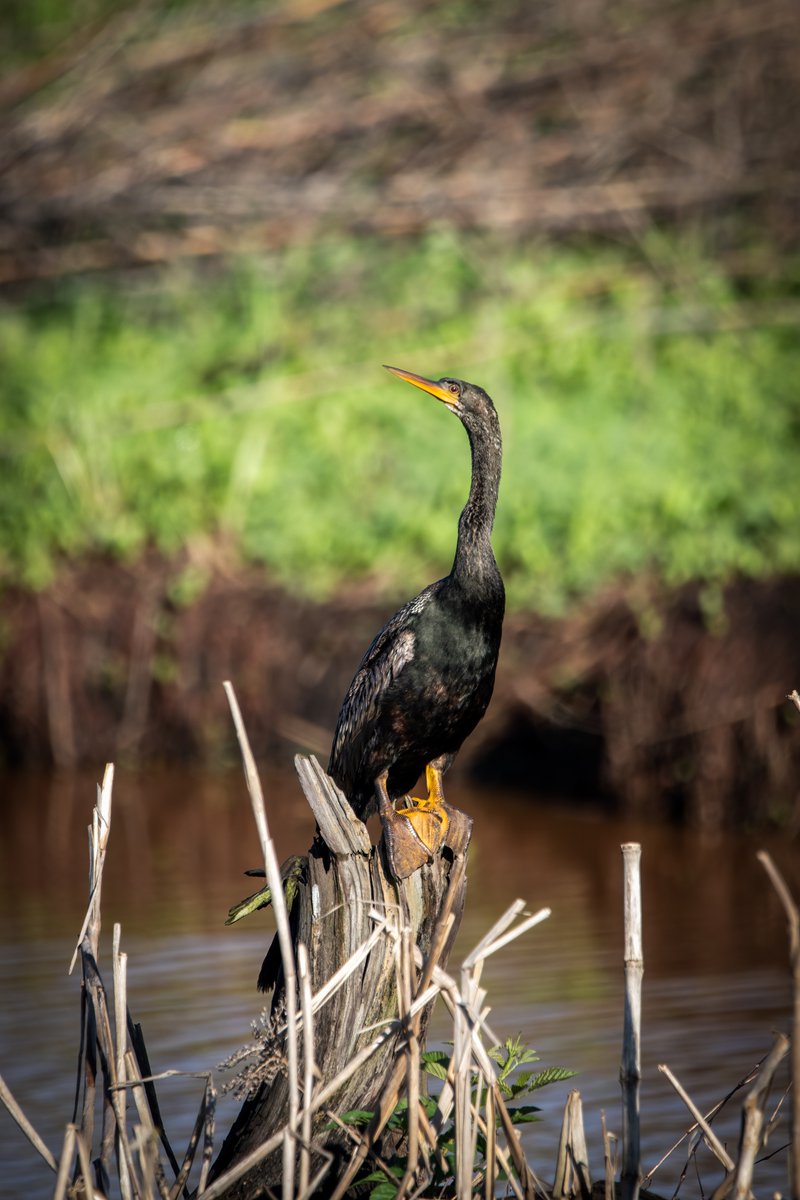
{"points": [[456, 649]]}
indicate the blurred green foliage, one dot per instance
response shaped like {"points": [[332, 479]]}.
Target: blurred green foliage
{"points": [[648, 402]]}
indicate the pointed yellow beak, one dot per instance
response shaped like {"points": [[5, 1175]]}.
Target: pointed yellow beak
{"points": [[428, 385]]}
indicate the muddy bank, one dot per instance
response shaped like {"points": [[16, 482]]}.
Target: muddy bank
{"points": [[632, 699]]}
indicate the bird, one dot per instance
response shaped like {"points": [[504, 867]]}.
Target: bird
{"points": [[426, 679]]}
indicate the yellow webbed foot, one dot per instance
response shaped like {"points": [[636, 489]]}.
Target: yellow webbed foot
{"points": [[429, 824], [434, 801], [413, 835], [405, 849]]}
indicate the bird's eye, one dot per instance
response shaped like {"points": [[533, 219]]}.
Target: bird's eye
{"points": [[454, 388]]}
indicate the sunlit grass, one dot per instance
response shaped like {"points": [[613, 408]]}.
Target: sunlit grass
{"points": [[648, 408]]}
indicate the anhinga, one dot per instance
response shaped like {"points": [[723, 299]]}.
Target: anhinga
{"points": [[426, 680]]}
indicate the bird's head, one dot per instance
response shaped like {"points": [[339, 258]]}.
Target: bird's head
{"points": [[464, 399]]}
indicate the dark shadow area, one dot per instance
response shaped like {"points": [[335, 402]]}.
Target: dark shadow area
{"points": [[556, 760]]}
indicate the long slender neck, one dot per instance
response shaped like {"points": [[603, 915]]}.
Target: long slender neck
{"points": [[474, 557]]}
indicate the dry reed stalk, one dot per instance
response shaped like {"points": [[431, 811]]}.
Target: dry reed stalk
{"points": [[467, 1023], [145, 1073], [208, 1134], [86, 1166], [455, 1003], [65, 1163], [531, 1187], [89, 936], [316, 1182], [108, 1045], [609, 1165], [119, 972], [463, 1139], [467, 1106], [468, 1020], [18, 1115], [449, 989], [490, 1182], [713, 1142], [501, 1155], [753, 1117], [86, 1081], [272, 868], [145, 1145], [142, 1176], [356, 1138], [572, 1160], [709, 1116], [477, 1102], [793, 921], [386, 1107], [138, 1091], [114, 1134], [449, 994], [444, 923], [446, 1100], [631, 1068], [95, 1023], [501, 924], [411, 1055], [99, 832], [191, 1149], [492, 942], [481, 1178], [309, 1067]]}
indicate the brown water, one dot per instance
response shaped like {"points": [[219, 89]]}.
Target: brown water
{"points": [[715, 986]]}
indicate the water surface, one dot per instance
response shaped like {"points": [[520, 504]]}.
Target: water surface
{"points": [[716, 982]]}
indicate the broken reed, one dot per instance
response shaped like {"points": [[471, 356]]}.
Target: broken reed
{"points": [[114, 1070]]}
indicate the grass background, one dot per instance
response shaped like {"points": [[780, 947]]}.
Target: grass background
{"points": [[648, 401]]}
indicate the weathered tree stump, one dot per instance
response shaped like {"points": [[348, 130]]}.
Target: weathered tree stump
{"points": [[344, 893]]}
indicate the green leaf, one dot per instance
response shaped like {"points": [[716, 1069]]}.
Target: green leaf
{"points": [[542, 1078], [379, 1176], [436, 1063], [356, 1116], [399, 1118], [524, 1114], [384, 1191]]}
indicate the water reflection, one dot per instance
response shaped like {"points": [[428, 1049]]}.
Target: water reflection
{"points": [[716, 984]]}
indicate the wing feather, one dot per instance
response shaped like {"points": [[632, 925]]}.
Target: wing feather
{"points": [[386, 657]]}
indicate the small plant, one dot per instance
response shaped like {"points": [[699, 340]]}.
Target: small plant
{"points": [[437, 1064]]}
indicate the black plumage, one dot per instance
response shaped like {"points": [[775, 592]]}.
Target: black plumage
{"points": [[426, 680]]}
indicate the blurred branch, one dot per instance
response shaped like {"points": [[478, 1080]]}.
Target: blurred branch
{"points": [[314, 118]]}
